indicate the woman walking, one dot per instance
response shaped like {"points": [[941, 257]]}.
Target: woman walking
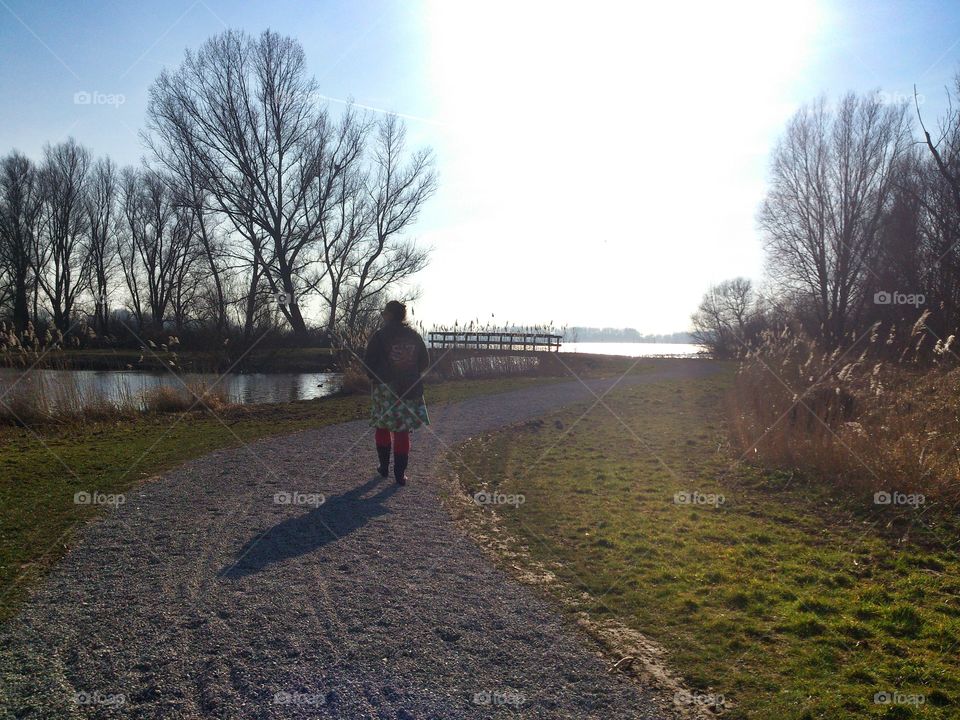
{"points": [[396, 358]]}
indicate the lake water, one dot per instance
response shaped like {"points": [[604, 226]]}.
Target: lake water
{"points": [[634, 349], [64, 387]]}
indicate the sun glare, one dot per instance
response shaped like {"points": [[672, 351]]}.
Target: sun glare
{"points": [[623, 118]]}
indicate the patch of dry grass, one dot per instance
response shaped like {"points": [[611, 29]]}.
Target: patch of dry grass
{"points": [[864, 418], [198, 396], [355, 380]]}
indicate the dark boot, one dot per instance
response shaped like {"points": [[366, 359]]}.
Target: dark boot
{"points": [[400, 468], [383, 452]]}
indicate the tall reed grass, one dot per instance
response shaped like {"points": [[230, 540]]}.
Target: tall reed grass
{"points": [[32, 401], [487, 366], [878, 416]]}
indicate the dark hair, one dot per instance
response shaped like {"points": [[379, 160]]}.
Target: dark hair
{"points": [[396, 310]]}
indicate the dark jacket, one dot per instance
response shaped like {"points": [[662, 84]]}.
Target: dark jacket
{"points": [[397, 356]]}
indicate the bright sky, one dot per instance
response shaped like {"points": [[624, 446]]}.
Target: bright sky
{"points": [[601, 163]]}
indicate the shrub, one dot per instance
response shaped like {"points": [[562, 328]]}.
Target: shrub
{"points": [[169, 399], [355, 380], [165, 399]]}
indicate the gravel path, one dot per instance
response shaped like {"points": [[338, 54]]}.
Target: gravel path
{"points": [[202, 597]]}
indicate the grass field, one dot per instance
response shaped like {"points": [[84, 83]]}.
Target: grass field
{"points": [[41, 468], [763, 589]]}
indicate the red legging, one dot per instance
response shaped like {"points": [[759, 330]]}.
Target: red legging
{"points": [[401, 440]]}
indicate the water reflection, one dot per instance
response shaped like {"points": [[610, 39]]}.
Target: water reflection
{"points": [[634, 349], [69, 388]]}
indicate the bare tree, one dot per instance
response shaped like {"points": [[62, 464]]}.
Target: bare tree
{"points": [[344, 210], [156, 243], [342, 239], [192, 196], [720, 322], [101, 207], [938, 193], [244, 109], [397, 193], [251, 254], [61, 258], [129, 227], [831, 184], [20, 206], [945, 152], [186, 275], [319, 210]]}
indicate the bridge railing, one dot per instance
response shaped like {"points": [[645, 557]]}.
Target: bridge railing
{"points": [[507, 341]]}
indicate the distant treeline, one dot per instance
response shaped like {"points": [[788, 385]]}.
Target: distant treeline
{"points": [[593, 334]]}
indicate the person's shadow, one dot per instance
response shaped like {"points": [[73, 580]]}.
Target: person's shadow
{"points": [[338, 516]]}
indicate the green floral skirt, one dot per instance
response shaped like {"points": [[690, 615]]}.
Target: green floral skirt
{"points": [[387, 411]]}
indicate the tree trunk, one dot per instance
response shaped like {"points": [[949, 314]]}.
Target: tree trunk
{"points": [[21, 310], [251, 307]]}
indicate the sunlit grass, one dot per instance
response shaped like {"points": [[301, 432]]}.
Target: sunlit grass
{"points": [[782, 598]]}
